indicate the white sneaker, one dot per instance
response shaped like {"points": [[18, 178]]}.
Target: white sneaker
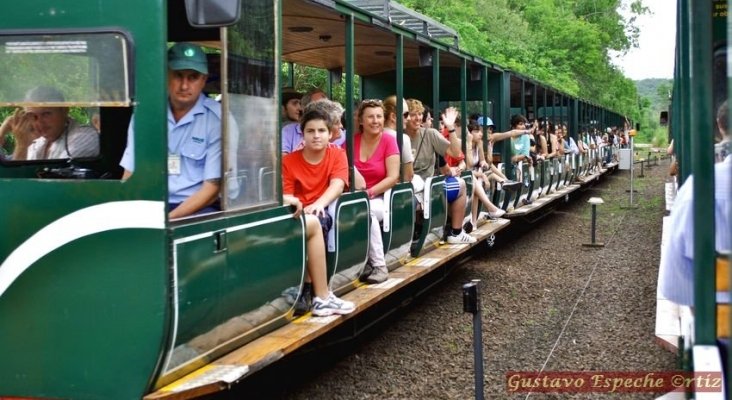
{"points": [[331, 305], [462, 238], [497, 214]]}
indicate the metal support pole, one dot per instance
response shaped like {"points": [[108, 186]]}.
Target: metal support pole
{"points": [[471, 304]]}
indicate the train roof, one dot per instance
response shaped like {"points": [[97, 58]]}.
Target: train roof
{"points": [[313, 34], [308, 22], [400, 15]]}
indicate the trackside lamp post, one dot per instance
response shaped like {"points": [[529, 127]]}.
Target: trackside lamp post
{"points": [[471, 304], [595, 201]]}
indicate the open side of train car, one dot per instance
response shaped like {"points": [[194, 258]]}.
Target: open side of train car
{"points": [[98, 286]]}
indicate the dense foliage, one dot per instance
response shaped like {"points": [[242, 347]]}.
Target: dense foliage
{"points": [[654, 97], [564, 43]]}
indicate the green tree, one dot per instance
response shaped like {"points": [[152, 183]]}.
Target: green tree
{"points": [[564, 43]]}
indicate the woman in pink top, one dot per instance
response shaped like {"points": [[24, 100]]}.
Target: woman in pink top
{"points": [[376, 157]]}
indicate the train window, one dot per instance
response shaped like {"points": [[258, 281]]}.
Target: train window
{"points": [[251, 92], [51, 88]]}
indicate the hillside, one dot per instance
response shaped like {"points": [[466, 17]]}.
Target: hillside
{"points": [[656, 91]]}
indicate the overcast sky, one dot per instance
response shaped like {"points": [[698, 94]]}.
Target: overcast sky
{"points": [[654, 58]]}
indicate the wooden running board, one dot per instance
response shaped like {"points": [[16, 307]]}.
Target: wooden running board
{"points": [[227, 370]]}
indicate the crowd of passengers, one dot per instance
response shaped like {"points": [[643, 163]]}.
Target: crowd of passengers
{"points": [[314, 164], [315, 168]]}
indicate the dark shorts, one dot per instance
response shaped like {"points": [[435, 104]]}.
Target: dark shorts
{"points": [[326, 222], [452, 188]]}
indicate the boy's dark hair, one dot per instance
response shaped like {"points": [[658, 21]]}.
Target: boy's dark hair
{"points": [[517, 119], [314, 114]]}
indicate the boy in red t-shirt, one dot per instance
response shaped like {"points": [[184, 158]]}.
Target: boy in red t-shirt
{"points": [[312, 178]]}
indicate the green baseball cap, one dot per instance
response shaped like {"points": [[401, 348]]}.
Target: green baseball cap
{"points": [[187, 56]]}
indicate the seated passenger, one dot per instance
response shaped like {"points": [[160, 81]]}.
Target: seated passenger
{"points": [[425, 143], [538, 143], [48, 133], [377, 159], [561, 142], [292, 137], [194, 136], [570, 145], [584, 143], [427, 118], [291, 106], [390, 127], [606, 149], [475, 160], [552, 143], [335, 110], [520, 145], [454, 168], [312, 178], [598, 138], [491, 171]]}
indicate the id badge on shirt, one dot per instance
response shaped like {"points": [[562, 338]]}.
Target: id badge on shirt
{"points": [[173, 164]]}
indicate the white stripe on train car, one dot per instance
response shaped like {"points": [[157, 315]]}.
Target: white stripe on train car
{"points": [[138, 214]]}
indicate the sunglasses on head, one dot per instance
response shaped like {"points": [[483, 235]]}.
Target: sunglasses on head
{"points": [[372, 102]]}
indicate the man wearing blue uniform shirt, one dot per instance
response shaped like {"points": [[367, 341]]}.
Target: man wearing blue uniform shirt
{"points": [[194, 136]]}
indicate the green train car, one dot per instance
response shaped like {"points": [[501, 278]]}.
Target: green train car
{"points": [[101, 294], [701, 88]]}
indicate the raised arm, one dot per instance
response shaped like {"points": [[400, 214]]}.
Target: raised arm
{"points": [[21, 125], [448, 118], [497, 137]]}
